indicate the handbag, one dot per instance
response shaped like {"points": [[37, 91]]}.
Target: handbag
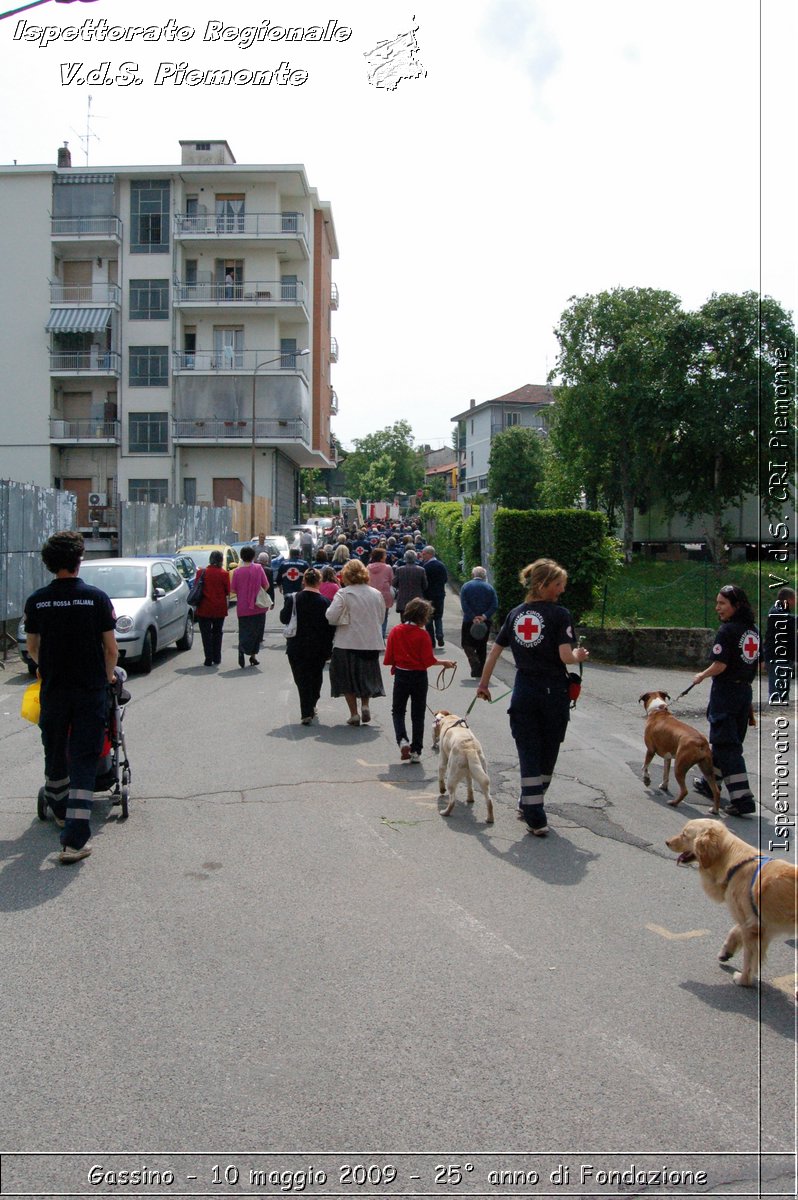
{"points": [[196, 590], [31, 703], [263, 599], [290, 629]]}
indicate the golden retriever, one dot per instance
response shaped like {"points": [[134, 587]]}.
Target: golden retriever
{"points": [[677, 741], [760, 892], [462, 758]]}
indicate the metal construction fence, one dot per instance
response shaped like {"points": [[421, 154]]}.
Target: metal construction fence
{"points": [[28, 516], [164, 528]]}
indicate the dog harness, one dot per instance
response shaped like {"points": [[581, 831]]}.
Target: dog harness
{"points": [[761, 859]]}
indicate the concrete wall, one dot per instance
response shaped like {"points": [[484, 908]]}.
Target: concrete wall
{"points": [[649, 647]]}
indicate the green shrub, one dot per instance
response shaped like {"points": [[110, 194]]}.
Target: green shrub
{"points": [[472, 544], [577, 540], [443, 521]]}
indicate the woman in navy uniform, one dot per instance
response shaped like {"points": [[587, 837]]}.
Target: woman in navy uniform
{"points": [[540, 634], [732, 667]]}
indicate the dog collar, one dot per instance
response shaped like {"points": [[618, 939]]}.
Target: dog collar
{"points": [[761, 859]]}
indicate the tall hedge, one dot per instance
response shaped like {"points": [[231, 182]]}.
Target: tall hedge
{"points": [[472, 544], [444, 525], [576, 539]]}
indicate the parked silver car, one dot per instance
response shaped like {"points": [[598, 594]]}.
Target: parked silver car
{"points": [[150, 600]]}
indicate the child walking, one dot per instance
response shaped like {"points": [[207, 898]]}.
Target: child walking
{"points": [[409, 652]]}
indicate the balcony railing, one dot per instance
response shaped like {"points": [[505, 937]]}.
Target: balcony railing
{"points": [[83, 430], [90, 293], [101, 362], [241, 361], [247, 225], [87, 227], [268, 291], [334, 350], [267, 429], [333, 402], [333, 295]]}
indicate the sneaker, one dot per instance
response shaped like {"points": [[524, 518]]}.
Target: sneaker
{"points": [[701, 786], [354, 720], [441, 644], [741, 808], [69, 854], [541, 832], [404, 750], [415, 757], [306, 721]]}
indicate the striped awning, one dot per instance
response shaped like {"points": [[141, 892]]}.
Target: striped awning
{"points": [[78, 320]]}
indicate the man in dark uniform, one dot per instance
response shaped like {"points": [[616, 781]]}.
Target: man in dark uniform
{"points": [[437, 575], [289, 575], [69, 628]]}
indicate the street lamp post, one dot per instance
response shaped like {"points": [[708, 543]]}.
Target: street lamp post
{"points": [[268, 363]]}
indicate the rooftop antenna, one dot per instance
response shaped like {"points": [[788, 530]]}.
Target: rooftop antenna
{"points": [[86, 137]]}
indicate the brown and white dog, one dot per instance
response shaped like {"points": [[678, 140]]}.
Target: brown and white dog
{"points": [[760, 892], [674, 740], [462, 758]]}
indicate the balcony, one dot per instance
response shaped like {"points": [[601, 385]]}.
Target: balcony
{"points": [[334, 296], [90, 363], [333, 402], [97, 432], [240, 362], [277, 228], [333, 350], [268, 293], [87, 230], [92, 293], [204, 430]]}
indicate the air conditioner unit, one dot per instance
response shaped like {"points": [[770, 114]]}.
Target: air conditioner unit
{"points": [[98, 499]]}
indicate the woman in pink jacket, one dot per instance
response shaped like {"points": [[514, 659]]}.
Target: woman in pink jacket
{"points": [[381, 578], [247, 582]]}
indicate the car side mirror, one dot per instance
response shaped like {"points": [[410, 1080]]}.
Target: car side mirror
{"points": [[158, 593]]}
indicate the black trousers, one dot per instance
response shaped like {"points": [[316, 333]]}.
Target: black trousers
{"points": [[412, 686], [211, 634], [476, 649], [539, 712], [72, 726], [308, 676]]}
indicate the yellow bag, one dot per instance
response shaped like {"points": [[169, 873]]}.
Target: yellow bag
{"points": [[31, 707]]}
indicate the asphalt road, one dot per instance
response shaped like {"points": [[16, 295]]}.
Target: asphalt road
{"points": [[287, 949]]}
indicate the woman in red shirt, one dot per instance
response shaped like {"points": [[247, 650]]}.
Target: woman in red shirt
{"points": [[212, 608], [409, 652]]}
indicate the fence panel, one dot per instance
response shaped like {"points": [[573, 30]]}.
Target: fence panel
{"points": [[28, 516], [486, 514], [164, 528]]}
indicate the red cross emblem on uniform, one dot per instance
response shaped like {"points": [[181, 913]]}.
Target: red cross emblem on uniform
{"points": [[529, 629], [293, 574], [750, 646], [360, 550]]}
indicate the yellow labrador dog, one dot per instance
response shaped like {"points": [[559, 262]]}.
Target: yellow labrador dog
{"points": [[760, 892], [461, 759]]}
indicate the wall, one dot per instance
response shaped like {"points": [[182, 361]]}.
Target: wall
{"points": [[649, 647], [28, 516]]}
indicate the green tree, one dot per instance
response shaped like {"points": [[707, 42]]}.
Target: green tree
{"points": [[607, 421], [377, 481], [516, 467], [721, 359], [407, 463], [310, 482]]}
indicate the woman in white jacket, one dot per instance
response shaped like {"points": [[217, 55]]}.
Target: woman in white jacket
{"points": [[357, 612]]}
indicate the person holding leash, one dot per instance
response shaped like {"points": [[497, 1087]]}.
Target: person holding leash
{"points": [[732, 667], [409, 654], [540, 633]]}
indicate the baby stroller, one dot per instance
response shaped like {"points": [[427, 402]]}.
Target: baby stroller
{"points": [[113, 768]]}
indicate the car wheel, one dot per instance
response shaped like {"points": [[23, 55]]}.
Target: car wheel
{"points": [[41, 805], [147, 651], [187, 640]]}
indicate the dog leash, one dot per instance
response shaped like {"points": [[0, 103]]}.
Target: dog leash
{"points": [[496, 701]]}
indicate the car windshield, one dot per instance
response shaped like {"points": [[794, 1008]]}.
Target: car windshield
{"points": [[117, 580], [201, 557]]}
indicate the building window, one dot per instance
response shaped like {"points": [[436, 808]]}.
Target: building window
{"points": [[189, 490], [148, 491], [483, 483], [149, 299], [512, 418], [471, 453], [149, 216], [148, 433], [149, 366]]}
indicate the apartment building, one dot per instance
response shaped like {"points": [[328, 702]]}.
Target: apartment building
{"points": [[528, 406], [166, 331]]}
